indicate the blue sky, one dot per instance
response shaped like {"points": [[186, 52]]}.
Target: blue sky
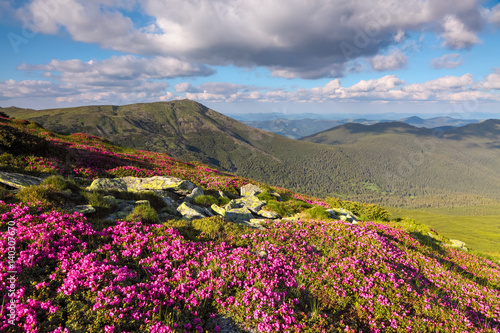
{"points": [[237, 56]]}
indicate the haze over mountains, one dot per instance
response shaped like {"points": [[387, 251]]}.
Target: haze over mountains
{"points": [[390, 163], [295, 127]]}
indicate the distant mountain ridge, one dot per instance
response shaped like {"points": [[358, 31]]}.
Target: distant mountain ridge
{"points": [[297, 128], [358, 162]]}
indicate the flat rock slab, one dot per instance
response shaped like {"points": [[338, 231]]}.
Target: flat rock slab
{"points": [[19, 180], [136, 184], [238, 215], [189, 211], [457, 243], [218, 210], [251, 203], [268, 214]]}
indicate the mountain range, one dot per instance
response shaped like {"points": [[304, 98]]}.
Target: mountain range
{"points": [[390, 163], [295, 128]]}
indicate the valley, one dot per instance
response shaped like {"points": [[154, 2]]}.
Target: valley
{"points": [[477, 226]]}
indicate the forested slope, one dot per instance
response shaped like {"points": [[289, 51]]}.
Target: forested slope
{"points": [[388, 163]]}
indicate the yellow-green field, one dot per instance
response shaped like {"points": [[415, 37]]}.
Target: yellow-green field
{"points": [[477, 226]]}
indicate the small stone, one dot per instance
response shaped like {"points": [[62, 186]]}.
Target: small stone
{"points": [[142, 202], [268, 214], [84, 209], [457, 243]]}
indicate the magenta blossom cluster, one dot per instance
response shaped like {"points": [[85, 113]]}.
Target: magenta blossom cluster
{"points": [[305, 276]]}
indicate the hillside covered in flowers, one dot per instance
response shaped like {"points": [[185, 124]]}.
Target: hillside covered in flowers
{"points": [[154, 270]]}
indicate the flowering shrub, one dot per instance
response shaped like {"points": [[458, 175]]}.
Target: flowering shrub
{"points": [[305, 276]]}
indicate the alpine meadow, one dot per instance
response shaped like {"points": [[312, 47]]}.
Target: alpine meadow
{"points": [[249, 166]]}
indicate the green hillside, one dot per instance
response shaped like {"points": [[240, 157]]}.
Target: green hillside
{"points": [[366, 163], [461, 162]]}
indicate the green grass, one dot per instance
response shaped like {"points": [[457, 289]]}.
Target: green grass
{"points": [[317, 213], [143, 213], [477, 226], [205, 200]]}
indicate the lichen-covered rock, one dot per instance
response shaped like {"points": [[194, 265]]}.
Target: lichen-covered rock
{"points": [[238, 215], [458, 244], [84, 209], [343, 214], [108, 184], [333, 214], [218, 210], [18, 180], [251, 203], [277, 196], [256, 223], [250, 190], [189, 211], [157, 183], [268, 214], [136, 184]]}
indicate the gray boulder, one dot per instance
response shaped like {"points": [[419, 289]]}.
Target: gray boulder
{"points": [[171, 206], [218, 210], [343, 214], [197, 191], [250, 190], [108, 184], [458, 244], [136, 184], [238, 215], [251, 203], [190, 211], [18, 180], [268, 214]]}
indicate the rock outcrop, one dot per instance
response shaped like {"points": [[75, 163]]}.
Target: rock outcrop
{"points": [[190, 211], [18, 180], [342, 214], [136, 184], [179, 197]]}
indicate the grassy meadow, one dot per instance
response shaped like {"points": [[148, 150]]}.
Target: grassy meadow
{"points": [[477, 226]]}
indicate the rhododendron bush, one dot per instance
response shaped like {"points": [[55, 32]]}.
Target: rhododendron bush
{"points": [[304, 276]]}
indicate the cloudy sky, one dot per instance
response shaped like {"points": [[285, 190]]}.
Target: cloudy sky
{"points": [[320, 56]]}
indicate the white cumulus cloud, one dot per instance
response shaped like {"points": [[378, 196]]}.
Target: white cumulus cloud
{"points": [[306, 39], [392, 61], [447, 61]]}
